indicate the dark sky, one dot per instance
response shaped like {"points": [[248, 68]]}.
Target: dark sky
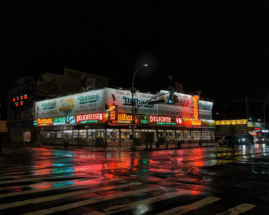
{"points": [[218, 47]]}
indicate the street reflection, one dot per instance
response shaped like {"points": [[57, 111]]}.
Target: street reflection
{"points": [[172, 169]]}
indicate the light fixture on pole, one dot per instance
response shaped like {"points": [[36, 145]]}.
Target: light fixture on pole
{"points": [[133, 148]]}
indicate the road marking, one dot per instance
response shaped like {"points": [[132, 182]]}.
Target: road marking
{"points": [[238, 209], [65, 195], [190, 207], [52, 188], [124, 207], [89, 201], [58, 177]]}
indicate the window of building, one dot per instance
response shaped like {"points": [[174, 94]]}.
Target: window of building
{"points": [[75, 134], [67, 134], [82, 133]]}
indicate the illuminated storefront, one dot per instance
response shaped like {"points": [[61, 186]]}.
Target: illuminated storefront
{"points": [[235, 126], [106, 113]]}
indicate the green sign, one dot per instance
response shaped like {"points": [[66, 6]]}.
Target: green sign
{"points": [[88, 99]]}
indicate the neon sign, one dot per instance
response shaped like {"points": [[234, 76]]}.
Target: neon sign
{"points": [[71, 120], [124, 117], [113, 112], [59, 120], [89, 118], [45, 122], [159, 119], [178, 120], [196, 121]]}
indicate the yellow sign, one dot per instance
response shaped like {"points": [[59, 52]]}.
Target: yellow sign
{"points": [[231, 122]]}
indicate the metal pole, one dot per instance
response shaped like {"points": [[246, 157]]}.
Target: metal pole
{"points": [[264, 113]]}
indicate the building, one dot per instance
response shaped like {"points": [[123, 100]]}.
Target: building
{"points": [[25, 91], [106, 114], [236, 126]]}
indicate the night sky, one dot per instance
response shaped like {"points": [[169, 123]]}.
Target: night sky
{"points": [[219, 47]]}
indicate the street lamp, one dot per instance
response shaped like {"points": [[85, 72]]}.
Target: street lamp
{"points": [[133, 148]]}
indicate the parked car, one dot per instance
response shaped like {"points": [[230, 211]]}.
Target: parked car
{"points": [[262, 140], [236, 140]]}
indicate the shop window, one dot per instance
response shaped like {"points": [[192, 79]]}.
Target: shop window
{"points": [[82, 134], [53, 134], [46, 134], [179, 135], [195, 135], [59, 134], [67, 134], [75, 134], [187, 135]]}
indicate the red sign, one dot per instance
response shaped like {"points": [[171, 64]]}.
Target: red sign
{"points": [[159, 119], [257, 129], [87, 117], [27, 136], [178, 120]]}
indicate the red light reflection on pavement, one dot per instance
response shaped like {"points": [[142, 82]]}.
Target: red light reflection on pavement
{"points": [[41, 167]]}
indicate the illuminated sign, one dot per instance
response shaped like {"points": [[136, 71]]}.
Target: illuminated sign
{"points": [[59, 120], [113, 112], [88, 99], [187, 122], [231, 122], [257, 129], [90, 118], [45, 122], [49, 105], [178, 120], [196, 121], [124, 117], [159, 119], [70, 120]]}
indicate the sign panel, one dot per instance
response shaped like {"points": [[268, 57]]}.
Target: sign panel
{"points": [[88, 102], [21, 100], [90, 118], [27, 136], [45, 122]]}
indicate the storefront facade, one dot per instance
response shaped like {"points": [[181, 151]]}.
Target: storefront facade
{"points": [[106, 114]]}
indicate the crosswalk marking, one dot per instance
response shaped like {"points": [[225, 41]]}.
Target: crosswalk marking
{"points": [[120, 208], [34, 179], [238, 209], [65, 195], [190, 207], [51, 188], [89, 201]]}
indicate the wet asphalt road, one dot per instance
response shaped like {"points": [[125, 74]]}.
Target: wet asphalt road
{"points": [[206, 180]]}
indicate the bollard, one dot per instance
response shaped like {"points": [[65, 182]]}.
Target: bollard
{"points": [[200, 142], [150, 145], [157, 144], [166, 145]]}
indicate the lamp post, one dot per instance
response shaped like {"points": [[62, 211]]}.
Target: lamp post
{"points": [[264, 112], [133, 148]]}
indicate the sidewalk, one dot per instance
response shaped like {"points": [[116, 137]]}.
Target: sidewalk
{"points": [[111, 146]]}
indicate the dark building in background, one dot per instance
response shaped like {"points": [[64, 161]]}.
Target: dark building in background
{"points": [[26, 91]]}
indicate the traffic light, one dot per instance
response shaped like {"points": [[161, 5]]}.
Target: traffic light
{"points": [[171, 96]]}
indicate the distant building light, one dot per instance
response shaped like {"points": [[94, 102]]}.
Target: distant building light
{"points": [[259, 119], [250, 118]]}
